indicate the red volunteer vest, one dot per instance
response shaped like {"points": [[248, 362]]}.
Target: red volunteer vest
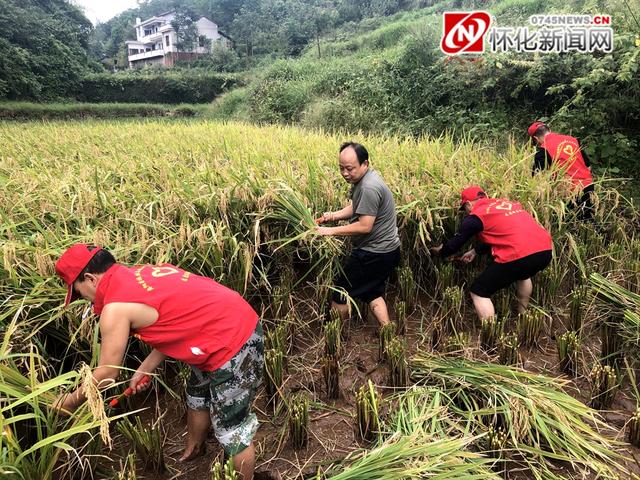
{"points": [[511, 232], [200, 322], [566, 153]]}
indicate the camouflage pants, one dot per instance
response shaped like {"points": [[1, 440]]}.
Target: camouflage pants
{"points": [[228, 393]]}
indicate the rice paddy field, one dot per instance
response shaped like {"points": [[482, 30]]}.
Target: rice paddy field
{"points": [[551, 394]]}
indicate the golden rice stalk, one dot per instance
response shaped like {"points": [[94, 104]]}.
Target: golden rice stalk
{"points": [[333, 337], [401, 317], [396, 351], [568, 350], [95, 402], [491, 328], [407, 286], [386, 333], [274, 369], [530, 326], [367, 412], [331, 373], [299, 420], [604, 386], [508, 349]]}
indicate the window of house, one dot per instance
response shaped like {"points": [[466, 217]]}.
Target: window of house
{"points": [[201, 40], [166, 41]]}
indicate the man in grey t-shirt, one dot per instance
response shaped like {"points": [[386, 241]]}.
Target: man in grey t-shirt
{"points": [[372, 224]]}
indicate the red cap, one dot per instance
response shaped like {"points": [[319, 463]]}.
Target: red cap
{"points": [[71, 263], [533, 127], [469, 194]]}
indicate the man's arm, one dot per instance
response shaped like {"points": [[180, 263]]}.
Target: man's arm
{"points": [[541, 160], [147, 367], [470, 226], [344, 214], [114, 333], [362, 226]]}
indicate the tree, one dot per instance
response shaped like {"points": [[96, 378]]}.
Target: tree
{"points": [[184, 24]]}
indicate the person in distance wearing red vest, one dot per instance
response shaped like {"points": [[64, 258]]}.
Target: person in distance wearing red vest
{"points": [[564, 152], [183, 316], [519, 245]]}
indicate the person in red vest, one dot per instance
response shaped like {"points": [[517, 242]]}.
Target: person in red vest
{"points": [[564, 152], [183, 316], [519, 245]]}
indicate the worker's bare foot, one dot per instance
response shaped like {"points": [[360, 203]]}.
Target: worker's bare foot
{"points": [[192, 452]]}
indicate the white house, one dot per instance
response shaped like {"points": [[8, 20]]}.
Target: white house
{"points": [[156, 40]]}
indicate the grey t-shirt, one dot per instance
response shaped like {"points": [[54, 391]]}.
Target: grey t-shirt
{"points": [[371, 196]]}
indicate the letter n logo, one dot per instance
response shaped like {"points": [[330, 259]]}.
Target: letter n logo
{"points": [[463, 32]]}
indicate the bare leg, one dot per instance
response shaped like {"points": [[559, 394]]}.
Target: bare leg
{"points": [[198, 423], [523, 291], [342, 308], [245, 462], [483, 305], [379, 309]]}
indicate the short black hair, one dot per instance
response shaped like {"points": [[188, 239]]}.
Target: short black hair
{"points": [[102, 261], [361, 152], [541, 130]]}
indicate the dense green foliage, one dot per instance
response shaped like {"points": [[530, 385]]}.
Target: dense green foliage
{"points": [[43, 48], [388, 75], [154, 86], [258, 27], [67, 111]]}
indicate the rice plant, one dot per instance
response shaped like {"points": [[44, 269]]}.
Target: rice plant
{"points": [[456, 343], [604, 386], [230, 472], [407, 289], [568, 351], [530, 326], [633, 429], [128, 470], [367, 413], [146, 440], [226, 201], [503, 301], [451, 308], [277, 338], [414, 456], [445, 276], [396, 351], [331, 374], [217, 471], [299, 420], [496, 445], [576, 309], [273, 375], [542, 421], [612, 345], [280, 301], [386, 333], [332, 338], [401, 317], [508, 346], [491, 329]]}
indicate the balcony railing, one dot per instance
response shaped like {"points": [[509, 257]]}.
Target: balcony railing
{"points": [[143, 55]]}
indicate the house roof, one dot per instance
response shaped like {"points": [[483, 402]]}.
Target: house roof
{"points": [[157, 18]]}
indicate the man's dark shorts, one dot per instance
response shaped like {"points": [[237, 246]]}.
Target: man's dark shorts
{"points": [[365, 275], [500, 275]]}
